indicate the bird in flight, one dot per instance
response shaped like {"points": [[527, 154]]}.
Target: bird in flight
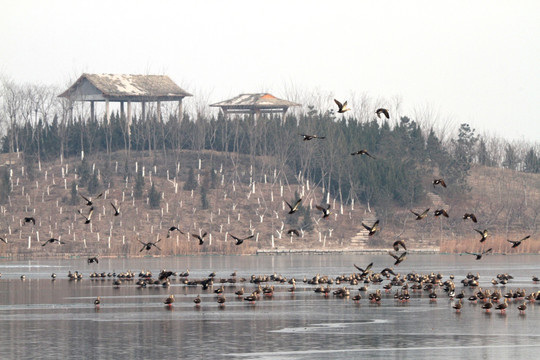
{"points": [[171, 229], [294, 208], [399, 258], [93, 260], [479, 255], [515, 244], [440, 212], [310, 137], [397, 244], [89, 217], [483, 233], [470, 216], [365, 271], [293, 232], [362, 152], [382, 111], [341, 107], [53, 240], [89, 200], [116, 210], [240, 240], [422, 215], [439, 182], [325, 210], [148, 246], [372, 229], [30, 220], [201, 238]]}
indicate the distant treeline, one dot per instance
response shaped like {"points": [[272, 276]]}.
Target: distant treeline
{"points": [[407, 156]]}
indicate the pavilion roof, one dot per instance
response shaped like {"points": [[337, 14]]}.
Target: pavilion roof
{"points": [[259, 101], [122, 87]]}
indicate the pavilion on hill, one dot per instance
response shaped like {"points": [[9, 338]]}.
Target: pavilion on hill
{"points": [[125, 89], [255, 104]]}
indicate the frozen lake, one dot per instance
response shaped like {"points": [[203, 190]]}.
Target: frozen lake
{"points": [[41, 318]]}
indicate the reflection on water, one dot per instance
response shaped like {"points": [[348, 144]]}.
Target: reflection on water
{"points": [[42, 318]]}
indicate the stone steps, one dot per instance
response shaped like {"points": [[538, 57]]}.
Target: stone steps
{"points": [[361, 238]]}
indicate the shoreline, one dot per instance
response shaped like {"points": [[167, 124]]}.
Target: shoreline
{"points": [[339, 251], [259, 252]]}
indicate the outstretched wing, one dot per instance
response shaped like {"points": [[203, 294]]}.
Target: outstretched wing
{"points": [[289, 205], [364, 270]]}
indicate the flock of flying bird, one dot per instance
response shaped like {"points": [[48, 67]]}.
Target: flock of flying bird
{"points": [[325, 210], [365, 275], [342, 107]]}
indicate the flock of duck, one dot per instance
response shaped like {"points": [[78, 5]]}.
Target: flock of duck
{"points": [[363, 284]]}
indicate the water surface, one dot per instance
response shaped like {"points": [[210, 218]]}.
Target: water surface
{"points": [[49, 319]]}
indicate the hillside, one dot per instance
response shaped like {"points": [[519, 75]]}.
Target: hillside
{"points": [[247, 198]]}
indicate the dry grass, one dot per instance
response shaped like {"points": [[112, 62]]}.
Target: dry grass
{"points": [[497, 243]]}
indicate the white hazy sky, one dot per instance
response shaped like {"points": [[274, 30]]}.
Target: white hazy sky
{"points": [[469, 61]]}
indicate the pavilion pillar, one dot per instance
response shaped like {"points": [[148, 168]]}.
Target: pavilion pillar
{"points": [[107, 112], [129, 125], [159, 111], [143, 117], [70, 112], [129, 118], [283, 116], [121, 109], [257, 115], [180, 111], [92, 111]]}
